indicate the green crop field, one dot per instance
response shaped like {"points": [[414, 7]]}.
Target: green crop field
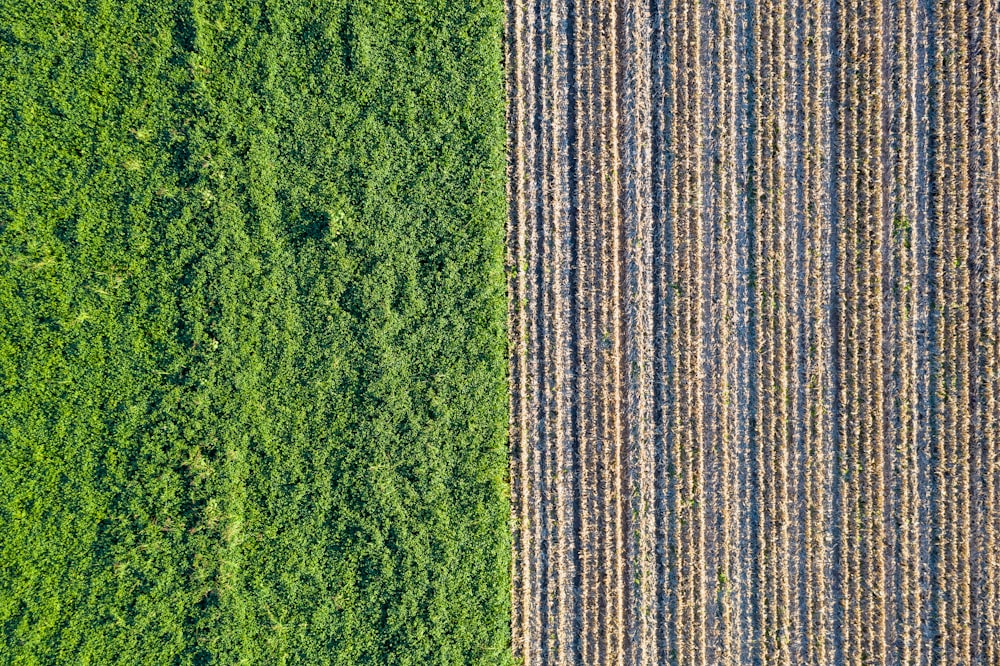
{"points": [[252, 333]]}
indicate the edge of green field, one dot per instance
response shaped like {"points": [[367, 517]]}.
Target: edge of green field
{"points": [[252, 341]]}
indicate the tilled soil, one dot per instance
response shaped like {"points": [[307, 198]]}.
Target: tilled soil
{"points": [[755, 331]]}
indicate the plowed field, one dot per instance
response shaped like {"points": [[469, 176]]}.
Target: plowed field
{"points": [[755, 331]]}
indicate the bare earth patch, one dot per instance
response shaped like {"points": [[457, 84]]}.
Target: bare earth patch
{"points": [[755, 331]]}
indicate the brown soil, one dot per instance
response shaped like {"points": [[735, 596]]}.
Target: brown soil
{"points": [[754, 259]]}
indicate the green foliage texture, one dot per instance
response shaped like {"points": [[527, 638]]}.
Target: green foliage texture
{"points": [[252, 395]]}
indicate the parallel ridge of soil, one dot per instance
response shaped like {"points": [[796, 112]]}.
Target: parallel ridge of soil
{"points": [[755, 331]]}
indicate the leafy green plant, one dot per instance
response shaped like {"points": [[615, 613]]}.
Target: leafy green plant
{"points": [[252, 391]]}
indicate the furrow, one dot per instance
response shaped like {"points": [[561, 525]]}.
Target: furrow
{"points": [[699, 215], [616, 561], [606, 319], [951, 140], [681, 551], [604, 105], [784, 208], [944, 582], [591, 602], [563, 317], [609, 334], [761, 312], [660, 618], [982, 263], [634, 255], [990, 330], [846, 463], [746, 574], [925, 428], [517, 328], [902, 405], [726, 639], [871, 229], [852, 344], [686, 221], [963, 434], [817, 412], [536, 573], [549, 246], [771, 305], [797, 304], [892, 62]]}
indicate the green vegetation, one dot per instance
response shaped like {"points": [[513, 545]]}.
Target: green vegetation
{"points": [[252, 394]]}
